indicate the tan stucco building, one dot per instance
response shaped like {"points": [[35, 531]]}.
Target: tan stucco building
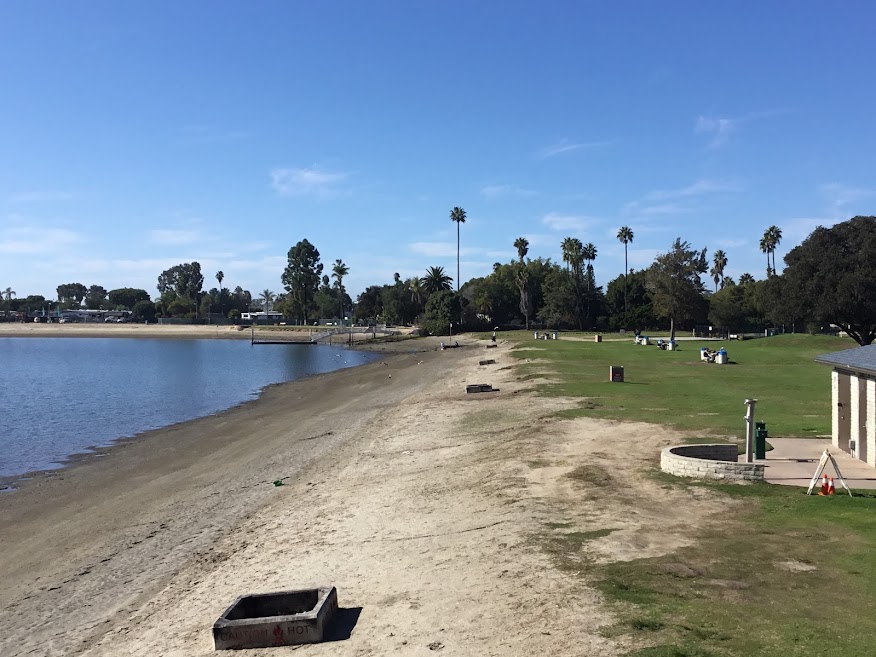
{"points": [[853, 391]]}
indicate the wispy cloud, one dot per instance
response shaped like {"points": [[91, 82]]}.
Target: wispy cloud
{"points": [[719, 129], [174, 237], [307, 181], [43, 196], [494, 191], [697, 188], [797, 229], [568, 146], [32, 240], [839, 194], [668, 202], [568, 222]]}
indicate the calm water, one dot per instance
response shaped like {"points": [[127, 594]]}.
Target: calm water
{"points": [[60, 396]]}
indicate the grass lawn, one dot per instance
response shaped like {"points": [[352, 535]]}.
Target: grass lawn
{"points": [[786, 575], [793, 576], [676, 388]]}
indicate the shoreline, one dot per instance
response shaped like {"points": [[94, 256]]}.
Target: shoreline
{"points": [[436, 513], [12, 484], [174, 332], [178, 489], [95, 330]]}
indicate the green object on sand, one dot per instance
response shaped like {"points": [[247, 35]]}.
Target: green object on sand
{"points": [[278, 482]]}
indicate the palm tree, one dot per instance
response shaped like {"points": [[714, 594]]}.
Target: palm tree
{"points": [[522, 246], [436, 280], [457, 215], [720, 262], [521, 276], [267, 298], [766, 248], [775, 237], [746, 279], [220, 277], [589, 254], [339, 270], [416, 288], [568, 247], [625, 236], [7, 294]]}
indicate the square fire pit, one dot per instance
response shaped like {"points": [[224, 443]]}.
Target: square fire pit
{"points": [[263, 620]]}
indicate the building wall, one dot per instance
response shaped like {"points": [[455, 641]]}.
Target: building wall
{"points": [[834, 392], [854, 413], [859, 419], [871, 422]]}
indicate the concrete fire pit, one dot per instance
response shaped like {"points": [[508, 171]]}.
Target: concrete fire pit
{"points": [[286, 618]]}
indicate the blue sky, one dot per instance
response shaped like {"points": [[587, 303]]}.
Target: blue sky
{"points": [[138, 135]]}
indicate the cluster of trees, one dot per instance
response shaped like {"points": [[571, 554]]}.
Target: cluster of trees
{"points": [[827, 280]]}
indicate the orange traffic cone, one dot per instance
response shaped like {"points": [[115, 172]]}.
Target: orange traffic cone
{"points": [[824, 485], [830, 489]]}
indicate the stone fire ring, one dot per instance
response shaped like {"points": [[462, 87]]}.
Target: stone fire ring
{"points": [[265, 620]]}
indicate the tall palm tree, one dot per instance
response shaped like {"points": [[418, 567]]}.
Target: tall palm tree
{"points": [[339, 270], [267, 298], [521, 276], [589, 254], [8, 293], [775, 238], [220, 276], [522, 246], [568, 247], [457, 215], [719, 260], [625, 236], [765, 247], [436, 280]]}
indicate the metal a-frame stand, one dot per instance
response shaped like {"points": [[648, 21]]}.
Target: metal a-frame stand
{"points": [[827, 456]]}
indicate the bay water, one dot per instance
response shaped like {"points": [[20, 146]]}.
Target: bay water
{"points": [[64, 396]]}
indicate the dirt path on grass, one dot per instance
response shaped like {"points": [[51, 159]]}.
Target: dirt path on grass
{"points": [[447, 522]]}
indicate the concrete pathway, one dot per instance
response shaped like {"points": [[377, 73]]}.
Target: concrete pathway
{"points": [[793, 461]]}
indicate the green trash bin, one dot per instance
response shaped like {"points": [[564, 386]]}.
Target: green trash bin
{"points": [[760, 436]]}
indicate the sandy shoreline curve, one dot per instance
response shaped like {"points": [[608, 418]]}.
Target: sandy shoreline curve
{"points": [[96, 330], [427, 507], [174, 332]]}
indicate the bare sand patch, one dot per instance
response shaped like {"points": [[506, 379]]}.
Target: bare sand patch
{"points": [[425, 506]]}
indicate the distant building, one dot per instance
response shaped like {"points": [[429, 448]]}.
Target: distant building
{"points": [[853, 392], [271, 316]]}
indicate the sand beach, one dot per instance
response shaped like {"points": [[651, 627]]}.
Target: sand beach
{"points": [[423, 505]]}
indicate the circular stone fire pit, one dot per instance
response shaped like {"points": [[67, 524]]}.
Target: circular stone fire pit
{"points": [[714, 461]]}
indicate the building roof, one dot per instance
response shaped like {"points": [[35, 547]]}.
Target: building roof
{"points": [[860, 359]]}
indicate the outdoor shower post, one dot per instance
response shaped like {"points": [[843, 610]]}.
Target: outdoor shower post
{"points": [[749, 430]]}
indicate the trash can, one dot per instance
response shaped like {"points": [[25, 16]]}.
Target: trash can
{"points": [[760, 436]]}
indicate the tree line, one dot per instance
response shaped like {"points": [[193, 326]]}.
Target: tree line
{"points": [[827, 280]]}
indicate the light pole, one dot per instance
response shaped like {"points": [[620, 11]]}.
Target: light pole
{"points": [[451, 329]]}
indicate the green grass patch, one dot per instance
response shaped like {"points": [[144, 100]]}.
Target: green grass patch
{"points": [[788, 576], [676, 388], [785, 574]]}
